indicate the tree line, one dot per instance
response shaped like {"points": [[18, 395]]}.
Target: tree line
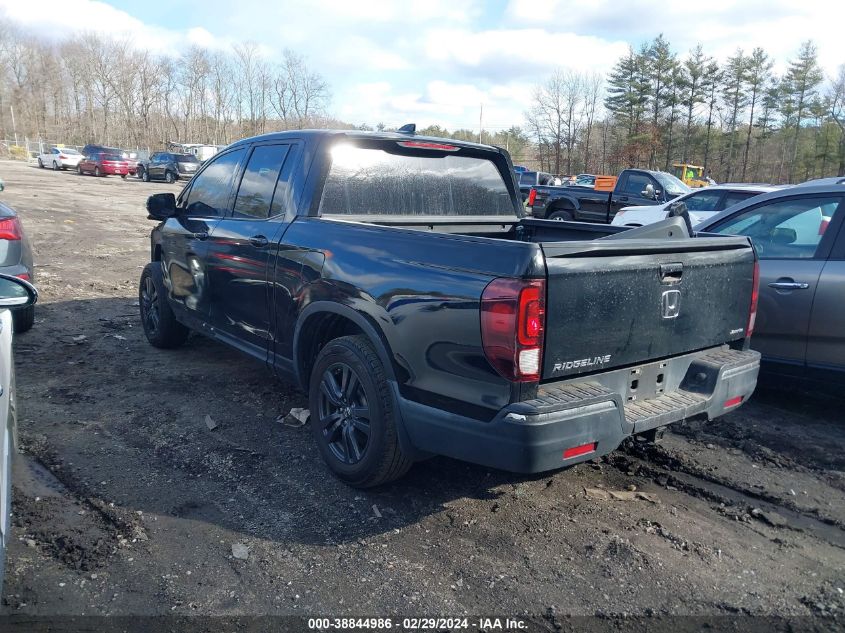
{"points": [[738, 119], [94, 88]]}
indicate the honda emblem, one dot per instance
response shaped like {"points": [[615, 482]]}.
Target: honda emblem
{"points": [[671, 304]]}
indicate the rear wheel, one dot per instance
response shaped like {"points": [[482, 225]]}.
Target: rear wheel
{"points": [[23, 320], [352, 414], [55, 166], [145, 175], [561, 216], [160, 325], [169, 177], [79, 169], [123, 176], [97, 172], [40, 164]]}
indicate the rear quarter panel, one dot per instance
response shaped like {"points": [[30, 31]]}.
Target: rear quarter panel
{"points": [[422, 292]]}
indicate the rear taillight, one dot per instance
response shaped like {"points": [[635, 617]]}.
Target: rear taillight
{"points": [[755, 294], [10, 229], [532, 196], [512, 324]]}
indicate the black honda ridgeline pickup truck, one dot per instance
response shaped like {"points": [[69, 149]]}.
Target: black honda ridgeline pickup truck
{"points": [[397, 281]]}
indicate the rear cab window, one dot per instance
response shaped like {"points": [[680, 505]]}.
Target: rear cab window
{"points": [[415, 178]]}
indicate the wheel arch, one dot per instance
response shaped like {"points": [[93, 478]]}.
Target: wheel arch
{"points": [[324, 321]]}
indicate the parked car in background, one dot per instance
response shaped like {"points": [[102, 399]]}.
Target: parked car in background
{"points": [[16, 294], [59, 158], [397, 279], [799, 236], [585, 204], [16, 260], [130, 158], [103, 163], [530, 179], [702, 204], [168, 166]]}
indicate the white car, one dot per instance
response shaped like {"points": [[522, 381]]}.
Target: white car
{"points": [[14, 292], [59, 158], [702, 204]]}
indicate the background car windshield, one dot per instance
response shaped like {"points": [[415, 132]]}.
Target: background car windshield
{"points": [[186, 158], [369, 181], [671, 185], [528, 178]]}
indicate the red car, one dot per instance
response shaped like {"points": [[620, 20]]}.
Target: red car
{"points": [[103, 164]]}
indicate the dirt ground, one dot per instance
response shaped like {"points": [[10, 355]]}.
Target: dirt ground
{"points": [[126, 503]]}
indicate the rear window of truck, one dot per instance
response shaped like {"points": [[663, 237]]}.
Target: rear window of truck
{"points": [[372, 181]]}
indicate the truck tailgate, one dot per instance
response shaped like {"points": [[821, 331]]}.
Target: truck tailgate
{"points": [[622, 302]]}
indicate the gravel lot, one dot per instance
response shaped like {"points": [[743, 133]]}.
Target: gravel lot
{"points": [[127, 503]]}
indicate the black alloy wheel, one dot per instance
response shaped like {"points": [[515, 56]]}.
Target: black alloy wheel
{"points": [[344, 413], [150, 307]]}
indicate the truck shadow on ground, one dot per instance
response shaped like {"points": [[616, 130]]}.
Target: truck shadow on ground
{"points": [[117, 420]]}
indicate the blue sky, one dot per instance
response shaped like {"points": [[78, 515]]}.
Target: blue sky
{"points": [[437, 61]]}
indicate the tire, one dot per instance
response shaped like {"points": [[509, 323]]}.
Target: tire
{"points": [[40, 164], [353, 421], [23, 320], [169, 178], [145, 175], [55, 166], [160, 325], [123, 176], [79, 170], [561, 216], [97, 172]]}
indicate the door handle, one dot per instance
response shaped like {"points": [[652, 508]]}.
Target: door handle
{"points": [[788, 285], [203, 235], [259, 241]]}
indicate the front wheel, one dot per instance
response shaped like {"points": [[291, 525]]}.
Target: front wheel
{"points": [[97, 172], [79, 170], [352, 414], [40, 164], [145, 175], [55, 166], [160, 325]]}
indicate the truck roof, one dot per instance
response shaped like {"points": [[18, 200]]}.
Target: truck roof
{"points": [[360, 134]]}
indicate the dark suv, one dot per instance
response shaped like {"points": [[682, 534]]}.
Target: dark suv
{"points": [[168, 167]]}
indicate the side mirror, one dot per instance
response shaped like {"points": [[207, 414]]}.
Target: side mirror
{"points": [[161, 206], [16, 293], [648, 192]]}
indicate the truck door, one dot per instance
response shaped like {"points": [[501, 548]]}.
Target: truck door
{"points": [[631, 191], [790, 235], [244, 246], [185, 237]]}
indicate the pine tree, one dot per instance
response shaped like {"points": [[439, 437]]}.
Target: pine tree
{"points": [[710, 83], [802, 81], [662, 64], [692, 94], [758, 68], [733, 93]]}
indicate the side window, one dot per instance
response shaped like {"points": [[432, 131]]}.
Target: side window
{"points": [[703, 201], [732, 197], [210, 189], [784, 229], [635, 184], [283, 197], [259, 181]]}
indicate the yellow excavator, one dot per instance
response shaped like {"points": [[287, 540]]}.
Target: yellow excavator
{"points": [[692, 175]]}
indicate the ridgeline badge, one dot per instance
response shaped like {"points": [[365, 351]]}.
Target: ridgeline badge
{"points": [[596, 361]]}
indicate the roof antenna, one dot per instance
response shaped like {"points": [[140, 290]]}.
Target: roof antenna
{"points": [[408, 128]]}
